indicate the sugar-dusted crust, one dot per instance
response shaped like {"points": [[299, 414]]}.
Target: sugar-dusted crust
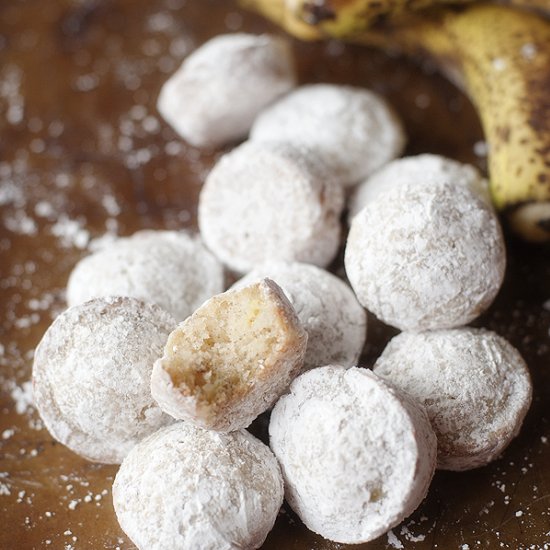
{"points": [[474, 384], [335, 321], [185, 487], [91, 376], [357, 455], [423, 257], [218, 91], [231, 359], [271, 201], [419, 170], [353, 129], [169, 268]]}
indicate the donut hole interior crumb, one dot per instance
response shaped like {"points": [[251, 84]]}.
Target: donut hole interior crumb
{"points": [[227, 345]]}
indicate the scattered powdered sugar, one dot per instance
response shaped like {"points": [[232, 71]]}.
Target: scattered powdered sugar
{"points": [[393, 541], [6, 434], [71, 232], [21, 224], [23, 397], [10, 84], [405, 532]]}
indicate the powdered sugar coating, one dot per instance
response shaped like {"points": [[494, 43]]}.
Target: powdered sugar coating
{"points": [[357, 456], [474, 384], [270, 201], [419, 170], [424, 257], [171, 269], [91, 376], [214, 97], [335, 322], [353, 129], [184, 487]]}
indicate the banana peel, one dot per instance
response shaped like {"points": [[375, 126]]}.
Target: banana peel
{"points": [[500, 56]]}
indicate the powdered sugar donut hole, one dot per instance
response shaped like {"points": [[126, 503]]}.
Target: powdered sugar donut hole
{"points": [[214, 97], [91, 376], [353, 129], [171, 269], [232, 359], [473, 383], [422, 170], [335, 322], [357, 456], [270, 201], [184, 487], [426, 256]]}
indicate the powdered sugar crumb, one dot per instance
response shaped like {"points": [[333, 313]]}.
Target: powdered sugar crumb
{"points": [[71, 233], [409, 536], [393, 541], [6, 434], [22, 396]]}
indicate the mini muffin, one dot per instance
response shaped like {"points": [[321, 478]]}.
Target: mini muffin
{"points": [[419, 170]]}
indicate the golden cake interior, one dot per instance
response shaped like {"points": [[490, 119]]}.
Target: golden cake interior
{"points": [[232, 342]]}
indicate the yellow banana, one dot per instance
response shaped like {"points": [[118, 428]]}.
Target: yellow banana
{"points": [[501, 57]]}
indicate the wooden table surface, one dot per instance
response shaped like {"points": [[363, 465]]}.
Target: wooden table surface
{"points": [[85, 157]]}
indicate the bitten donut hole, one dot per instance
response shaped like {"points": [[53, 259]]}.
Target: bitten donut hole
{"points": [[234, 341]]}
